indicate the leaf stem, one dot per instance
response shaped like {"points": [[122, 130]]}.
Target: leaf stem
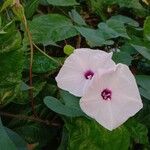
{"points": [[31, 118], [54, 60]]}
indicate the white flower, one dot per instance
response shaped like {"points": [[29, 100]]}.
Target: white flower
{"points": [[80, 67], [112, 97]]}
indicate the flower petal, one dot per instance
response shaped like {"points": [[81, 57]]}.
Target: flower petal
{"points": [[71, 79], [95, 59]]}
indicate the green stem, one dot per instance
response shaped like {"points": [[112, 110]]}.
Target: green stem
{"points": [[54, 60]]}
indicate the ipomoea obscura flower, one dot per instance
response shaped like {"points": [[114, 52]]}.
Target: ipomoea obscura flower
{"points": [[80, 67], [112, 97]]}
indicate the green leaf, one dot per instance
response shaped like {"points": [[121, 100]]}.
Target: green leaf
{"points": [[64, 140], [10, 74], [12, 40], [55, 105], [135, 5], [18, 141], [125, 20], [70, 100], [94, 37], [2, 30], [106, 31], [118, 27], [68, 49], [144, 82], [43, 64], [145, 93], [24, 87], [30, 7], [35, 133], [127, 48], [11, 60], [5, 141], [23, 95], [70, 107], [122, 57], [147, 28], [115, 27], [48, 29], [89, 135], [144, 65], [75, 16], [44, 2], [0, 22], [7, 3], [142, 47], [138, 131], [62, 2], [129, 4], [100, 7], [144, 115]]}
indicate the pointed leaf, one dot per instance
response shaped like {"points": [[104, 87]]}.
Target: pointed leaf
{"points": [[62, 2], [89, 135], [5, 141], [47, 29]]}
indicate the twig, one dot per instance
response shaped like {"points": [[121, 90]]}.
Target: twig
{"points": [[78, 42], [23, 117], [31, 63], [19, 8], [19, 12]]}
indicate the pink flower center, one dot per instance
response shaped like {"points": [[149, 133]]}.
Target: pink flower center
{"points": [[88, 74], [106, 94]]}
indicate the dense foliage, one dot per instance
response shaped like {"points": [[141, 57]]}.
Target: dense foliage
{"points": [[35, 38]]}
